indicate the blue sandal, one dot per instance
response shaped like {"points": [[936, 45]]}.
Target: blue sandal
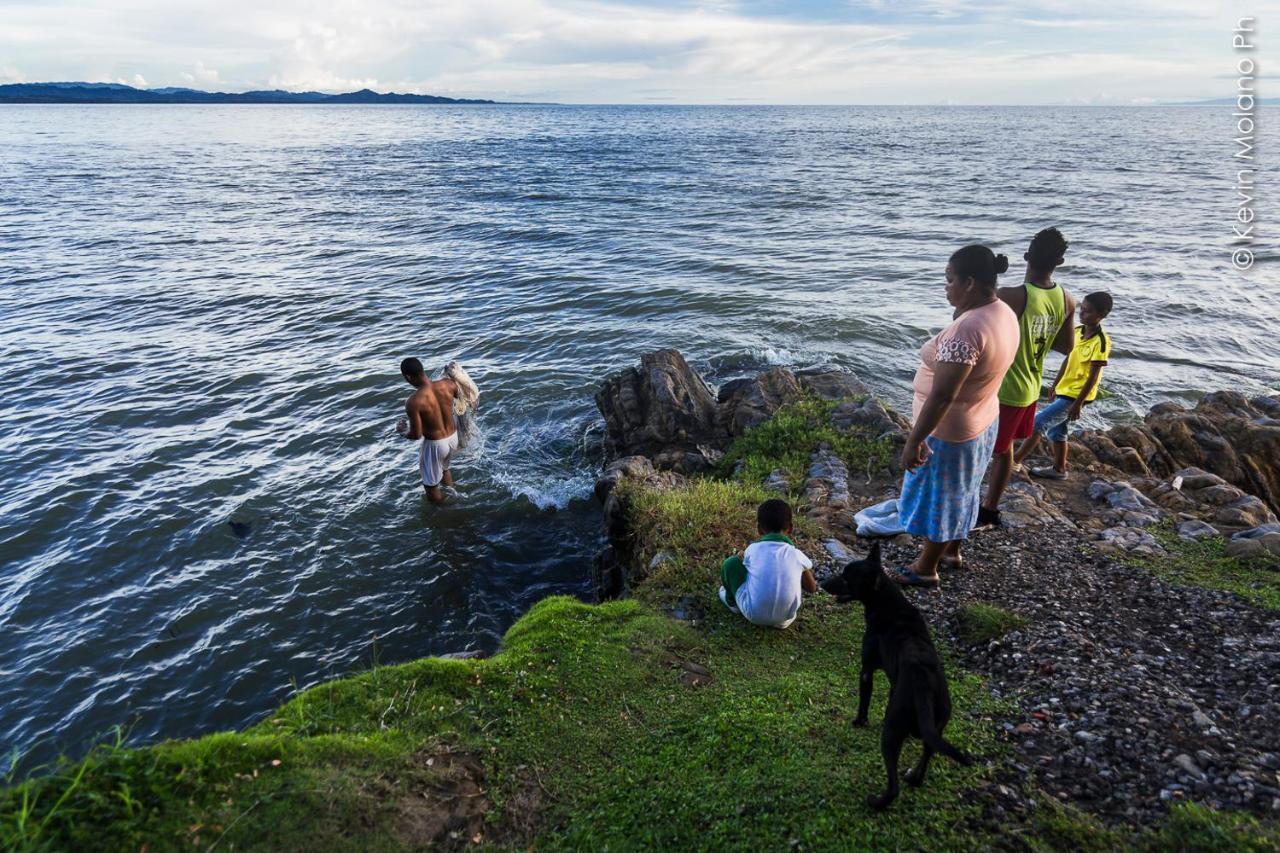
{"points": [[904, 576]]}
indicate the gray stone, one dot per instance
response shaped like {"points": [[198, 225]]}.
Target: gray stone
{"points": [[660, 559], [1246, 549], [662, 410], [1248, 511], [839, 551], [1099, 489], [871, 417], [745, 403], [1125, 497], [833, 384], [1194, 479], [1188, 765], [1196, 529], [628, 467], [827, 485], [777, 483], [1258, 532]]}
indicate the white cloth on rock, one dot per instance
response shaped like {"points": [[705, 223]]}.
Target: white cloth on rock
{"points": [[880, 520]]}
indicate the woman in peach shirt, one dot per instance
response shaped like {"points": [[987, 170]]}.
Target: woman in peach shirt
{"points": [[955, 414]]}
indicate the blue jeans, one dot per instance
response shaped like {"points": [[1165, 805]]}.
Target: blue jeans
{"points": [[1051, 421]]}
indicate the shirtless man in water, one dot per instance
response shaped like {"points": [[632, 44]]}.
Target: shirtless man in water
{"points": [[429, 416]]}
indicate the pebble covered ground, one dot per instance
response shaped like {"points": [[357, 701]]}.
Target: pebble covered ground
{"points": [[1132, 693]]}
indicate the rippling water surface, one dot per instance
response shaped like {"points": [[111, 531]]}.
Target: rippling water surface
{"points": [[204, 308]]}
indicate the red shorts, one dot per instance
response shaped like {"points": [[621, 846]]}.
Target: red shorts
{"points": [[1016, 422]]}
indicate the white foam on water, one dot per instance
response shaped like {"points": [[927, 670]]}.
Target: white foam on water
{"points": [[770, 355], [546, 463], [549, 493]]}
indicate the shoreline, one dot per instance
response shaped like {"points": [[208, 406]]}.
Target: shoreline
{"points": [[525, 734]]}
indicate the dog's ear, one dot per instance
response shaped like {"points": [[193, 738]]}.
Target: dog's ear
{"points": [[880, 579], [874, 554]]}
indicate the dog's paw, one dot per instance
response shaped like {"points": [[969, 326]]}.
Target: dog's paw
{"points": [[912, 779], [878, 803], [967, 760], [860, 722]]}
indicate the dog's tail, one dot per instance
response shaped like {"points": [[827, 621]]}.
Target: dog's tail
{"points": [[933, 738]]}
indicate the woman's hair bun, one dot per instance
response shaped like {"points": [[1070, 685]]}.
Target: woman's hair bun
{"points": [[1002, 264]]}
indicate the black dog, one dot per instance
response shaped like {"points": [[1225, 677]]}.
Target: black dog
{"points": [[897, 641]]}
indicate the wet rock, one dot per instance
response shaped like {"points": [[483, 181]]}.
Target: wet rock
{"points": [[662, 410]]}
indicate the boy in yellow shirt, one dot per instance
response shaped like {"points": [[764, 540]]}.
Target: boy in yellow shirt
{"points": [[1076, 385]]}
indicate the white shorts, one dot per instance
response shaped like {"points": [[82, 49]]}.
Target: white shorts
{"points": [[433, 459]]}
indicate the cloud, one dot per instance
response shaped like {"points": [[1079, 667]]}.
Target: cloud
{"points": [[923, 51], [202, 76]]}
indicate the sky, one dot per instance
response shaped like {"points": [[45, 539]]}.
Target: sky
{"points": [[702, 51]]}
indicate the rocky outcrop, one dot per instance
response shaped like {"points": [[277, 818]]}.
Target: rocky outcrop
{"points": [[664, 411], [662, 423], [1194, 494], [833, 385], [618, 563], [661, 410], [1261, 542], [1025, 504], [1226, 434]]}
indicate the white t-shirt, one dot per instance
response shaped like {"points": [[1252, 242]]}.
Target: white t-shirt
{"points": [[771, 593]]}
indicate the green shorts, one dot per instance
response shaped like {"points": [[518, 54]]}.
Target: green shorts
{"points": [[733, 574]]}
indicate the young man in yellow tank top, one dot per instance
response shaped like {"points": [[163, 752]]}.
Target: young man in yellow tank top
{"points": [[1043, 308]]}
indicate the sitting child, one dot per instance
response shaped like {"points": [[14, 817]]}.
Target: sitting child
{"points": [[1076, 385], [764, 583]]}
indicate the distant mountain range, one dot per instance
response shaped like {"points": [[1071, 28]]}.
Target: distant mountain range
{"points": [[118, 93]]}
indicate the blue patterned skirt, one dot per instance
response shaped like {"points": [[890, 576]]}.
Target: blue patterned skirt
{"points": [[940, 498]]}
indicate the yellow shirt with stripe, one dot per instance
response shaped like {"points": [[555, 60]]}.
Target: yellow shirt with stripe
{"points": [[1086, 353]]}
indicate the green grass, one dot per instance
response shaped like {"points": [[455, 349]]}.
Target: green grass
{"points": [[1204, 563], [586, 699], [586, 732], [981, 623], [788, 439]]}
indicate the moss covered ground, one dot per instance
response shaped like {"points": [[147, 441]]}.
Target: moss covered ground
{"points": [[601, 727], [1204, 563]]}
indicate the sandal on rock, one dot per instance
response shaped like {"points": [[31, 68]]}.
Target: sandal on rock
{"points": [[1048, 473], [988, 519], [904, 576]]}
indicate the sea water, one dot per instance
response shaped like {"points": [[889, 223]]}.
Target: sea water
{"points": [[204, 505]]}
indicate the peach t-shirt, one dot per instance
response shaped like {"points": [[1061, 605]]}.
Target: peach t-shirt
{"points": [[985, 337]]}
